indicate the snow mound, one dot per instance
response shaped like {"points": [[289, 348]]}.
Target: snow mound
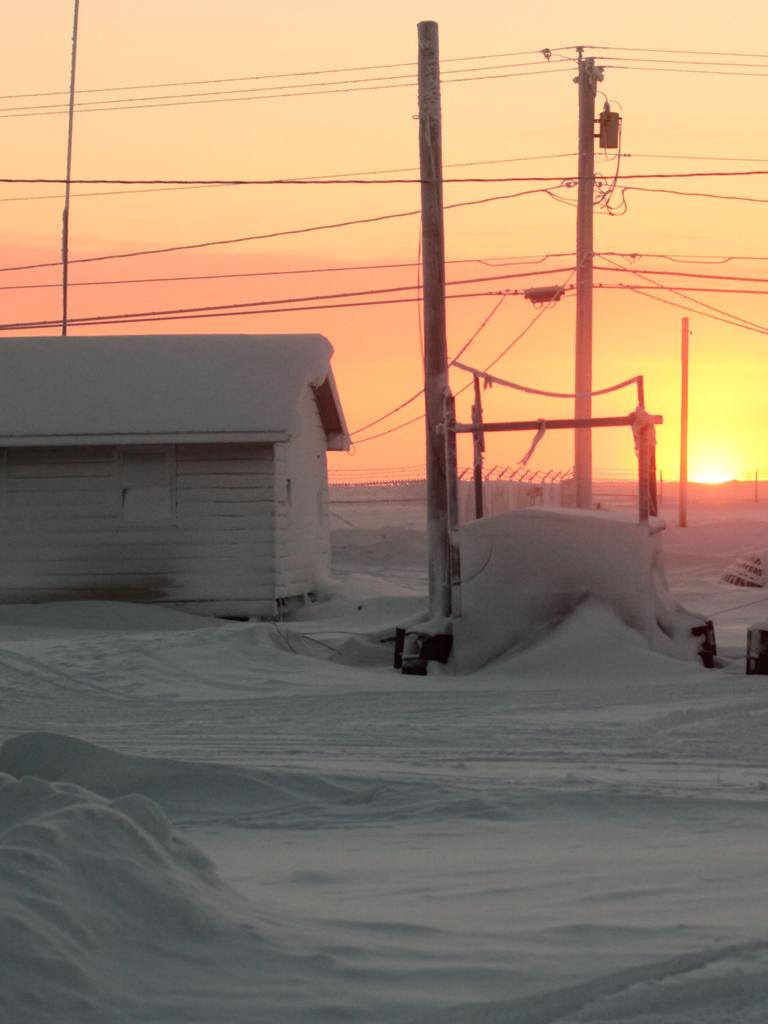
{"points": [[524, 570], [180, 787], [100, 903], [97, 615], [705, 987], [228, 794], [591, 642], [218, 794]]}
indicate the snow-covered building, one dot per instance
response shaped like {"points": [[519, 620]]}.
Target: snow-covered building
{"points": [[188, 469]]}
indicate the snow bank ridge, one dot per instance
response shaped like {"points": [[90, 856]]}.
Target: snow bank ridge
{"points": [[179, 787], [89, 886]]}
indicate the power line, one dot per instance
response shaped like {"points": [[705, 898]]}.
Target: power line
{"points": [[559, 51], [249, 312], [690, 63], [392, 430], [416, 419], [713, 312], [461, 351], [319, 177], [272, 234], [568, 181], [615, 268], [147, 315], [83, 105], [683, 273], [685, 71], [566, 286], [692, 309], [117, 192], [682, 257], [644, 276], [683, 288], [148, 105], [689, 53], [693, 195], [498, 358], [260, 305], [330, 88], [520, 261], [689, 156], [285, 74]]}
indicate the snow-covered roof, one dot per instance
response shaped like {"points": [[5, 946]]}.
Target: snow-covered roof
{"points": [[195, 387]]}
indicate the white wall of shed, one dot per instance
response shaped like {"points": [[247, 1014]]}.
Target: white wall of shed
{"points": [[63, 534], [303, 553]]}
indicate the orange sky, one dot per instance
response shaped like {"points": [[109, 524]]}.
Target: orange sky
{"points": [[672, 122]]}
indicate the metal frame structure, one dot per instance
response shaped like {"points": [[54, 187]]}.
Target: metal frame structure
{"points": [[641, 422]]}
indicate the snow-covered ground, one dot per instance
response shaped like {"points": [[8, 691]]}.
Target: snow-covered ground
{"points": [[236, 823]]}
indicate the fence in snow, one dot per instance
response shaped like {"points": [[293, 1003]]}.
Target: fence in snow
{"points": [[504, 488]]}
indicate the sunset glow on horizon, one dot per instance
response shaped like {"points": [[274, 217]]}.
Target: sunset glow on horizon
{"points": [[196, 92]]}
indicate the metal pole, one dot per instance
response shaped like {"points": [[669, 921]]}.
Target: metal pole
{"points": [[67, 186], [644, 473], [682, 495], [454, 556], [587, 80], [435, 347], [478, 445]]}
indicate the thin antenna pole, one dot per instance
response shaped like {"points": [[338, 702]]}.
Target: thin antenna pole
{"points": [[68, 184], [682, 494]]}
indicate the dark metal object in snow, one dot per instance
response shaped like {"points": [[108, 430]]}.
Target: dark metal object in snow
{"points": [[757, 650], [747, 571], [413, 650], [708, 647]]}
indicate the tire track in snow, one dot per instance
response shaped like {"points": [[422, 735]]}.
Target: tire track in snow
{"points": [[568, 1005]]}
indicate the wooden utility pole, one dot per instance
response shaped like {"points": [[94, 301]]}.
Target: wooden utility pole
{"points": [[587, 81], [478, 447], [682, 486], [435, 346], [68, 185]]}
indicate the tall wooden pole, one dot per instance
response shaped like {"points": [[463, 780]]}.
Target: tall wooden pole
{"points": [[435, 346], [67, 187], [587, 81], [478, 446], [682, 494]]}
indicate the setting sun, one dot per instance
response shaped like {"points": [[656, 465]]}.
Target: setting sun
{"points": [[712, 475]]}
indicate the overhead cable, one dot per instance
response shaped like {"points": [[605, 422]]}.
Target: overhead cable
{"points": [[283, 95], [273, 234], [284, 74], [491, 262], [451, 362], [85, 105], [41, 324], [552, 179], [515, 340], [708, 311], [234, 306]]}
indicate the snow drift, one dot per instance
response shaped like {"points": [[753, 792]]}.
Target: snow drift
{"points": [[524, 571], [180, 787], [705, 987], [104, 908]]}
